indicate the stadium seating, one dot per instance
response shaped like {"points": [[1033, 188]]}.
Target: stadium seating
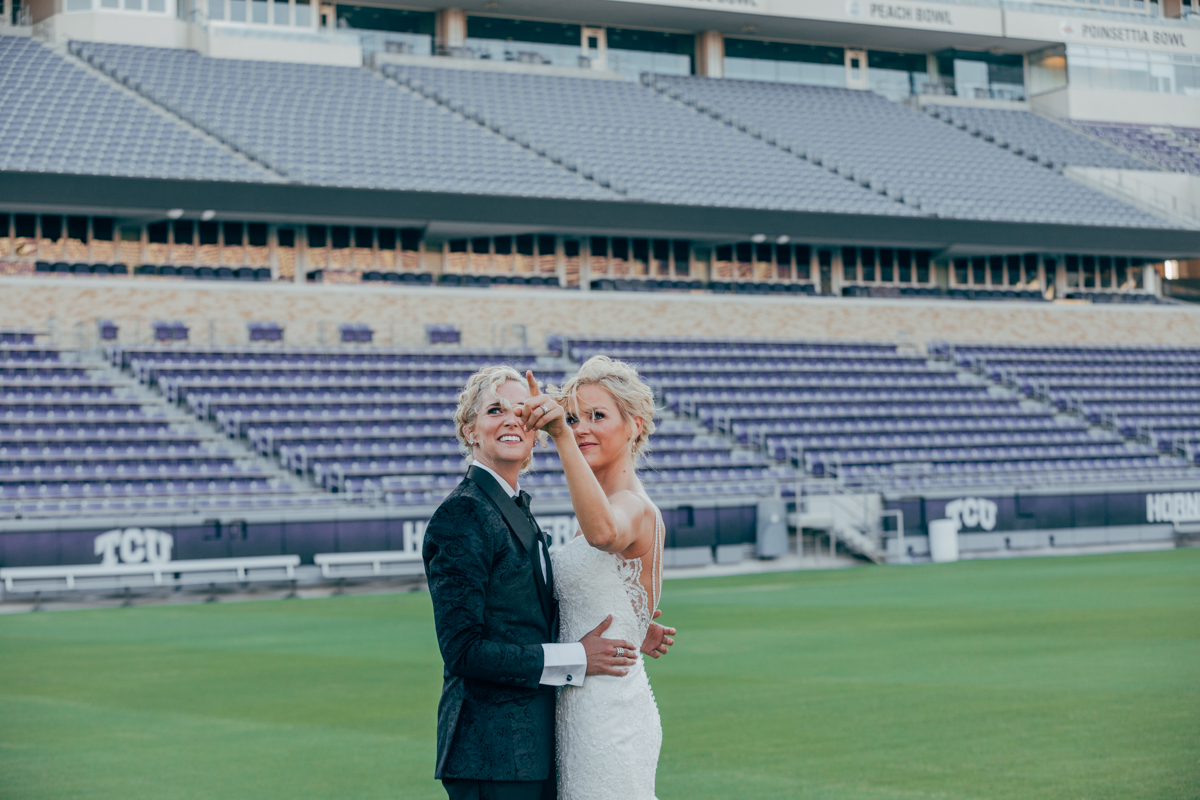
{"points": [[1036, 138], [875, 417], [944, 172], [334, 126], [1173, 149], [1151, 393], [379, 423], [57, 117], [74, 441], [641, 144]]}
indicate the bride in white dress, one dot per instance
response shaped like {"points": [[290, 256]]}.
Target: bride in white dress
{"points": [[608, 730]]}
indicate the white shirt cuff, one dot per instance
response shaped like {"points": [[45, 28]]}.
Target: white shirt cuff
{"points": [[565, 664]]}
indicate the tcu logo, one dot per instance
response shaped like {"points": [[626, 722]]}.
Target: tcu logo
{"points": [[972, 512], [134, 545]]}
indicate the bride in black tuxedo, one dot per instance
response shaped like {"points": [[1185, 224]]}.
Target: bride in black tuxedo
{"points": [[492, 585]]}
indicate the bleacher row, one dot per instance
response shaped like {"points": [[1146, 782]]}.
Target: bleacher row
{"points": [[675, 140], [740, 418]]}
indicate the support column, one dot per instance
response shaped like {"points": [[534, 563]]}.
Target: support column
{"points": [[301, 268], [710, 54], [450, 30], [273, 250], [560, 261]]}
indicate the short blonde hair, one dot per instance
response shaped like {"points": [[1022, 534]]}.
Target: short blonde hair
{"points": [[634, 399], [472, 397]]}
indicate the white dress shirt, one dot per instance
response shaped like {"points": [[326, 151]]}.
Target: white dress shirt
{"points": [[565, 664]]}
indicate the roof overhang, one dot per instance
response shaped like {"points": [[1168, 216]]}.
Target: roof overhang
{"points": [[445, 216]]}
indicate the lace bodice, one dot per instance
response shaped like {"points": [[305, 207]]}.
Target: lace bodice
{"points": [[590, 584], [607, 732]]}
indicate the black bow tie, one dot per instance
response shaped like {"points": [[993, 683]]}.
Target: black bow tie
{"points": [[522, 499]]}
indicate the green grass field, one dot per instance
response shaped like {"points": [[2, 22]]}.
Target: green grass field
{"points": [[1054, 678]]}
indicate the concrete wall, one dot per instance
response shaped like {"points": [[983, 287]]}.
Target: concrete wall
{"points": [[486, 315], [1142, 108]]}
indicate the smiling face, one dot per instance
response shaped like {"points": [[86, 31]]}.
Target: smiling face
{"points": [[500, 438], [602, 433]]}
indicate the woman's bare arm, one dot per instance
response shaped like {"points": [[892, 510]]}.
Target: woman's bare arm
{"points": [[623, 523]]}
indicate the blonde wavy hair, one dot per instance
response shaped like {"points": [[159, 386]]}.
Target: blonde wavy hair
{"points": [[486, 380], [634, 399]]}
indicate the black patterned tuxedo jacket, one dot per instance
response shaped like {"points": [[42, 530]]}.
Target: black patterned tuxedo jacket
{"points": [[493, 611]]}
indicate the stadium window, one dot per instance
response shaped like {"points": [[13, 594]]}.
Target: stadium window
{"points": [[785, 62], [996, 263], [183, 231], [256, 234], [317, 235], [525, 245], [260, 11], [1050, 268], [745, 252], [25, 226], [897, 75], [982, 75], [923, 257], [410, 239], [803, 262], [571, 248], [868, 263], [849, 264], [303, 14], [599, 246], [825, 265], [76, 228], [4, 223], [885, 265], [1106, 277], [216, 9], [52, 228], [210, 233], [1014, 270], [237, 13], [979, 271], [725, 252], [457, 245], [1031, 270], [762, 253], [387, 239], [904, 266], [620, 249], [233, 234], [683, 257], [1072, 272], [364, 238], [1120, 272], [632, 52], [339, 237], [545, 245], [375, 18], [287, 237], [1087, 268], [962, 272], [102, 229], [504, 245], [156, 232], [281, 16], [481, 245]]}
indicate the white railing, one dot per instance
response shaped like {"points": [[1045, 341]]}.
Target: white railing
{"points": [[1140, 195]]}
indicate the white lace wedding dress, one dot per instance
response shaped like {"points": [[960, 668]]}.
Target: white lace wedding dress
{"points": [[608, 730]]}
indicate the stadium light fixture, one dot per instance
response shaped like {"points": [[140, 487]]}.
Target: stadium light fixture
{"points": [[758, 238], [783, 239], [175, 213], [1171, 270], [205, 216]]}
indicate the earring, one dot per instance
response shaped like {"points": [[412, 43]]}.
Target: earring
{"points": [[471, 442]]}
